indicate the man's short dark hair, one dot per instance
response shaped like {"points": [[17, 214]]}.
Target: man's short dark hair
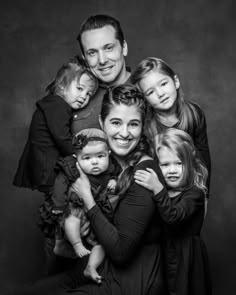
{"points": [[97, 22]]}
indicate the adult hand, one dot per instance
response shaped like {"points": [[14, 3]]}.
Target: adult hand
{"points": [[82, 187]]}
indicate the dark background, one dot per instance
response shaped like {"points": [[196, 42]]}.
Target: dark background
{"points": [[197, 38]]}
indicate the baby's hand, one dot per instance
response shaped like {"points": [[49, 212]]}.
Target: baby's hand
{"points": [[111, 185], [148, 179]]}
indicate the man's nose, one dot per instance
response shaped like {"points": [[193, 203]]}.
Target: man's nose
{"points": [[102, 57]]}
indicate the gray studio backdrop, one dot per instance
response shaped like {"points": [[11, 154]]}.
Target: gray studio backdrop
{"points": [[196, 37]]}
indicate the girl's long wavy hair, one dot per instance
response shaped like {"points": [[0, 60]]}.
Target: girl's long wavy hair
{"points": [[186, 113], [181, 144], [67, 73], [128, 95]]}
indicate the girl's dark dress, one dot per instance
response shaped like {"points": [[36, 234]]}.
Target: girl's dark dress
{"points": [[62, 199], [186, 258], [49, 138]]}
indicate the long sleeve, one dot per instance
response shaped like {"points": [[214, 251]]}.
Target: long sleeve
{"points": [[60, 192], [174, 212], [201, 142], [132, 218], [58, 116]]}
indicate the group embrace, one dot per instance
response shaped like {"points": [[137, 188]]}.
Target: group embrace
{"points": [[123, 162]]}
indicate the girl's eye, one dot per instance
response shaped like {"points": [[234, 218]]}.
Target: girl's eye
{"points": [[86, 158], [79, 88], [179, 163], [89, 94], [164, 83], [149, 93], [164, 165], [101, 156]]}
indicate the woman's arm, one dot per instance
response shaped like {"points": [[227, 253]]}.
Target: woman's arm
{"points": [[131, 220], [174, 213]]}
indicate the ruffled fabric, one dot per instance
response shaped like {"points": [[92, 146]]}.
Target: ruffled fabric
{"points": [[52, 215]]}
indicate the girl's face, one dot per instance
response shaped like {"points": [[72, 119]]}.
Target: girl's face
{"points": [[160, 90], [94, 158], [123, 127], [171, 167], [79, 92]]}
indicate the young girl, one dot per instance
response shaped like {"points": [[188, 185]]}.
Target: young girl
{"points": [[167, 107], [49, 133], [182, 208], [66, 208]]}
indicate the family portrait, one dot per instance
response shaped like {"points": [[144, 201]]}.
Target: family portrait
{"points": [[117, 149]]}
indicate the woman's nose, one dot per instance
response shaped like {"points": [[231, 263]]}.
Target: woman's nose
{"points": [[124, 132]]}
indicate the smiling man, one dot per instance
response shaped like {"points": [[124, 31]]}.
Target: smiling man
{"points": [[104, 48]]}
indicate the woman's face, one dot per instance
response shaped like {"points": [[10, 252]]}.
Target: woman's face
{"points": [[123, 127]]}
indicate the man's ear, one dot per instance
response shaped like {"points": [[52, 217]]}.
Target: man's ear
{"points": [[100, 121], [125, 48]]}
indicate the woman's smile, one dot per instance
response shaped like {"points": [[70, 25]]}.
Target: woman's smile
{"points": [[123, 127]]}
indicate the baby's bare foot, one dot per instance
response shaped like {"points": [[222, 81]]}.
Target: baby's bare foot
{"points": [[80, 250], [91, 273]]}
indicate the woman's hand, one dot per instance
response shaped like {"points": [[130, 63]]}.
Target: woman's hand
{"points": [[148, 179], [82, 187]]}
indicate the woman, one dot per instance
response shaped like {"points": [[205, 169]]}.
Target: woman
{"points": [[133, 263]]}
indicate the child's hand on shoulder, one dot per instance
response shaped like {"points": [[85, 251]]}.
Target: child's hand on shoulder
{"points": [[148, 179], [111, 185]]}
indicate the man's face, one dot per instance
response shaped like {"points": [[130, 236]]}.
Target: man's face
{"points": [[105, 55]]}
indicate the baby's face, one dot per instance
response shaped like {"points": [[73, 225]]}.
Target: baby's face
{"points": [[94, 158], [78, 93]]}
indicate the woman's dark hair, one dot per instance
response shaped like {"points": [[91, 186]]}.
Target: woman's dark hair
{"points": [[128, 95], [97, 22]]}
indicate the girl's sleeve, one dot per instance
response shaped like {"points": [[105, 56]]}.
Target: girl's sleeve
{"points": [[201, 142], [60, 192], [58, 118], [174, 213], [131, 220]]}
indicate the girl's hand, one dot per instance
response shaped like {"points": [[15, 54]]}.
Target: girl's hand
{"points": [[111, 185], [148, 179], [82, 187]]}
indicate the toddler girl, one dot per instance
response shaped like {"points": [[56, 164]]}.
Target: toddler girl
{"points": [[181, 206], [49, 134]]}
